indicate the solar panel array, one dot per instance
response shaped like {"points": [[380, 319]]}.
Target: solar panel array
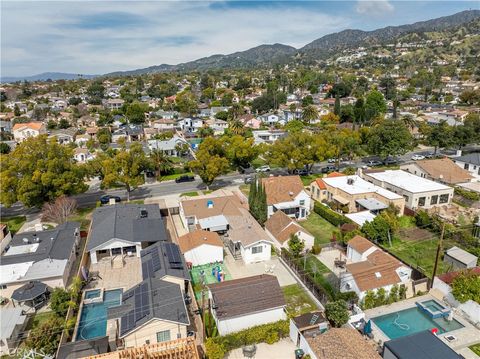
{"points": [[141, 308], [151, 264], [174, 256]]}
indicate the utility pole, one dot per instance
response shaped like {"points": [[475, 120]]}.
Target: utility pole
{"points": [[204, 329], [439, 250]]}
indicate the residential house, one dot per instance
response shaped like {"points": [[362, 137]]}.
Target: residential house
{"points": [[150, 132], [164, 124], [46, 256], [459, 258], [92, 131], [354, 194], [81, 140], [305, 326], [83, 348], [82, 155], [64, 136], [287, 194], [442, 170], [272, 119], [22, 131], [268, 136], [318, 188], [169, 147], [246, 302], [218, 126], [168, 115], [421, 345], [470, 163], [124, 229], [336, 343], [201, 247], [5, 126], [418, 192], [225, 214], [153, 311], [250, 121], [113, 103], [129, 132], [443, 284], [163, 260], [12, 326], [190, 125], [282, 227], [371, 269]]}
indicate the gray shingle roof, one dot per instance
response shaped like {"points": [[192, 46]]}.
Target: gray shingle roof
{"points": [[55, 243], [150, 299], [472, 158], [156, 263], [124, 222]]}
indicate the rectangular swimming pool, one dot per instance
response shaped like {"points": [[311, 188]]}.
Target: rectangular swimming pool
{"points": [[93, 320], [410, 321], [91, 294]]}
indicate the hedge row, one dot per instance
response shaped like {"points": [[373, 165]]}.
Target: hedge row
{"points": [[333, 217], [473, 196], [271, 333]]}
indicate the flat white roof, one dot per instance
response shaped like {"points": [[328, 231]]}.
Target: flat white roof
{"points": [[408, 181], [215, 221], [461, 255], [361, 218], [358, 186], [12, 272], [23, 249], [10, 318]]}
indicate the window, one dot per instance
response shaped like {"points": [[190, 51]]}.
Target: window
{"points": [[421, 202], [444, 198], [257, 249], [302, 202], [434, 200], [163, 336], [465, 166], [406, 198], [3, 286]]}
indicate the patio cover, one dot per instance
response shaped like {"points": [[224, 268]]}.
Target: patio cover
{"points": [[29, 291], [371, 204], [340, 199], [213, 222]]}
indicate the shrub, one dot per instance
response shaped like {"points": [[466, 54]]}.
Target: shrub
{"points": [[46, 336], [473, 196], [422, 219], [316, 249], [466, 286], [214, 350], [60, 301], [337, 313], [333, 217]]}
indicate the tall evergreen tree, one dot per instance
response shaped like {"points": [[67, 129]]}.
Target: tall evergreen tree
{"points": [[261, 205], [252, 194], [337, 109]]}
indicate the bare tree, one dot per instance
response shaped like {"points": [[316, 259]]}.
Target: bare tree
{"points": [[60, 210]]}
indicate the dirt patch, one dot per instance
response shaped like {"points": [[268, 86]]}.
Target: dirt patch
{"points": [[415, 234]]}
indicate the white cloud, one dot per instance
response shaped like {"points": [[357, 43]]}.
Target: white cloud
{"points": [[56, 36], [375, 8]]}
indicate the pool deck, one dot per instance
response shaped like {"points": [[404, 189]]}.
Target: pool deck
{"points": [[465, 336], [123, 275]]}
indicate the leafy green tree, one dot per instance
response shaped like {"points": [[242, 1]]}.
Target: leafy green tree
{"points": [[337, 313], [294, 126], [369, 300], [205, 132], [211, 160], [236, 127], [309, 114], [186, 102], [39, 170], [136, 112], [222, 115], [63, 123], [95, 93], [466, 286], [307, 101], [258, 201], [125, 168], [375, 105], [438, 135], [16, 110], [359, 111], [382, 228], [337, 106], [296, 245], [240, 151], [60, 301], [160, 161], [388, 86], [393, 295], [390, 138], [381, 297], [74, 101], [347, 113], [4, 148]]}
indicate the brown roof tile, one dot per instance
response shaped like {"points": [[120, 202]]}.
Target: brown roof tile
{"points": [[282, 226], [33, 125], [444, 169], [238, 297], [342, 343], [360, 244], [197, 238], [282, 188]]}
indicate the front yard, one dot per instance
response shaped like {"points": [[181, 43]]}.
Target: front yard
{"points": [[320, 228], [298, 301]]}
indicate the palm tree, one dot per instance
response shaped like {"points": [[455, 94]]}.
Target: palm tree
{"points": [[310, 113], [409, 121], [236, 126], [160, 161]]}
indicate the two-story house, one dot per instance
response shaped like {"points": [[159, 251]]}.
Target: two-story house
{"points": [[22, 131]]}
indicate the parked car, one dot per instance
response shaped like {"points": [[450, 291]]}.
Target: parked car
{"points": [[418, 157], [374, 163], [184, 178], [301, 172], [265, 168], [332, 160], [249, 179], [390, 161], [106, 199], [328, 169]]}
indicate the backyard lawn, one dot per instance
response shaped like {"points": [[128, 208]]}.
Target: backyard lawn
{"points": [[298, 301], [38, 319], [320, 228], [306, 180], [14, 223], [82, 215], [475, 348]]}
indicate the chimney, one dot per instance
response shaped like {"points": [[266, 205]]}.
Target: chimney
{"points": [[458, 153]]}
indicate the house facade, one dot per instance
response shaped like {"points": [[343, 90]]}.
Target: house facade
{"points": [[470, 163], [22, 131], [281, 228], [201, 247], [168, 147], [442, 170]]}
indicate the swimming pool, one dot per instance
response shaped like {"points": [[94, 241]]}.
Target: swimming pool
{"points": [[93, 320], [91, 294], [410, 321]]}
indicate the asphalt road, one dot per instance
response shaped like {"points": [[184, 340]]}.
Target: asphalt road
{"points": [[90, 198]]}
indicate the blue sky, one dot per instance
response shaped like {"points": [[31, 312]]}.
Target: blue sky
{"points": [[94, 37]]}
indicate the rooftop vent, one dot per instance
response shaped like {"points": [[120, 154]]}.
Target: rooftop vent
{"points": [[143, 213], [290, 193], [378, 274], [209, 204], [350, 181], [25, 240]]}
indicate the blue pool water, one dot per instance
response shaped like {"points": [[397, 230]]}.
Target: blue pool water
{"points": [[410, 321], [93, 320], [90, 294], [433, 306]]}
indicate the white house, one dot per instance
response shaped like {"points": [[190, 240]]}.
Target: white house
{"points": [[201, 247], [12, 326], [224, 213], [418, 192], [22, 131], [82, 155], [191, 125], [246, 302], [267, 136], [113, 104], [281, 227], [169, 147], [287, 194], [272, 119], [371, 269], [470, 162], [124, 229]]}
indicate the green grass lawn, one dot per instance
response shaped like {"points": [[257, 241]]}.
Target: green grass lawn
{"points": [[298, 302], [475, 348], [189, 194], [306, 180], [175, 176], [406, 222], [83, 215], [319, 227], [14, 223], [38, 319]]}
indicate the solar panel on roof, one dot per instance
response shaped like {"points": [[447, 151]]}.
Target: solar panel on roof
{"points": [[176, 265], [173, 253], [156, 261], [127, 322]]}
